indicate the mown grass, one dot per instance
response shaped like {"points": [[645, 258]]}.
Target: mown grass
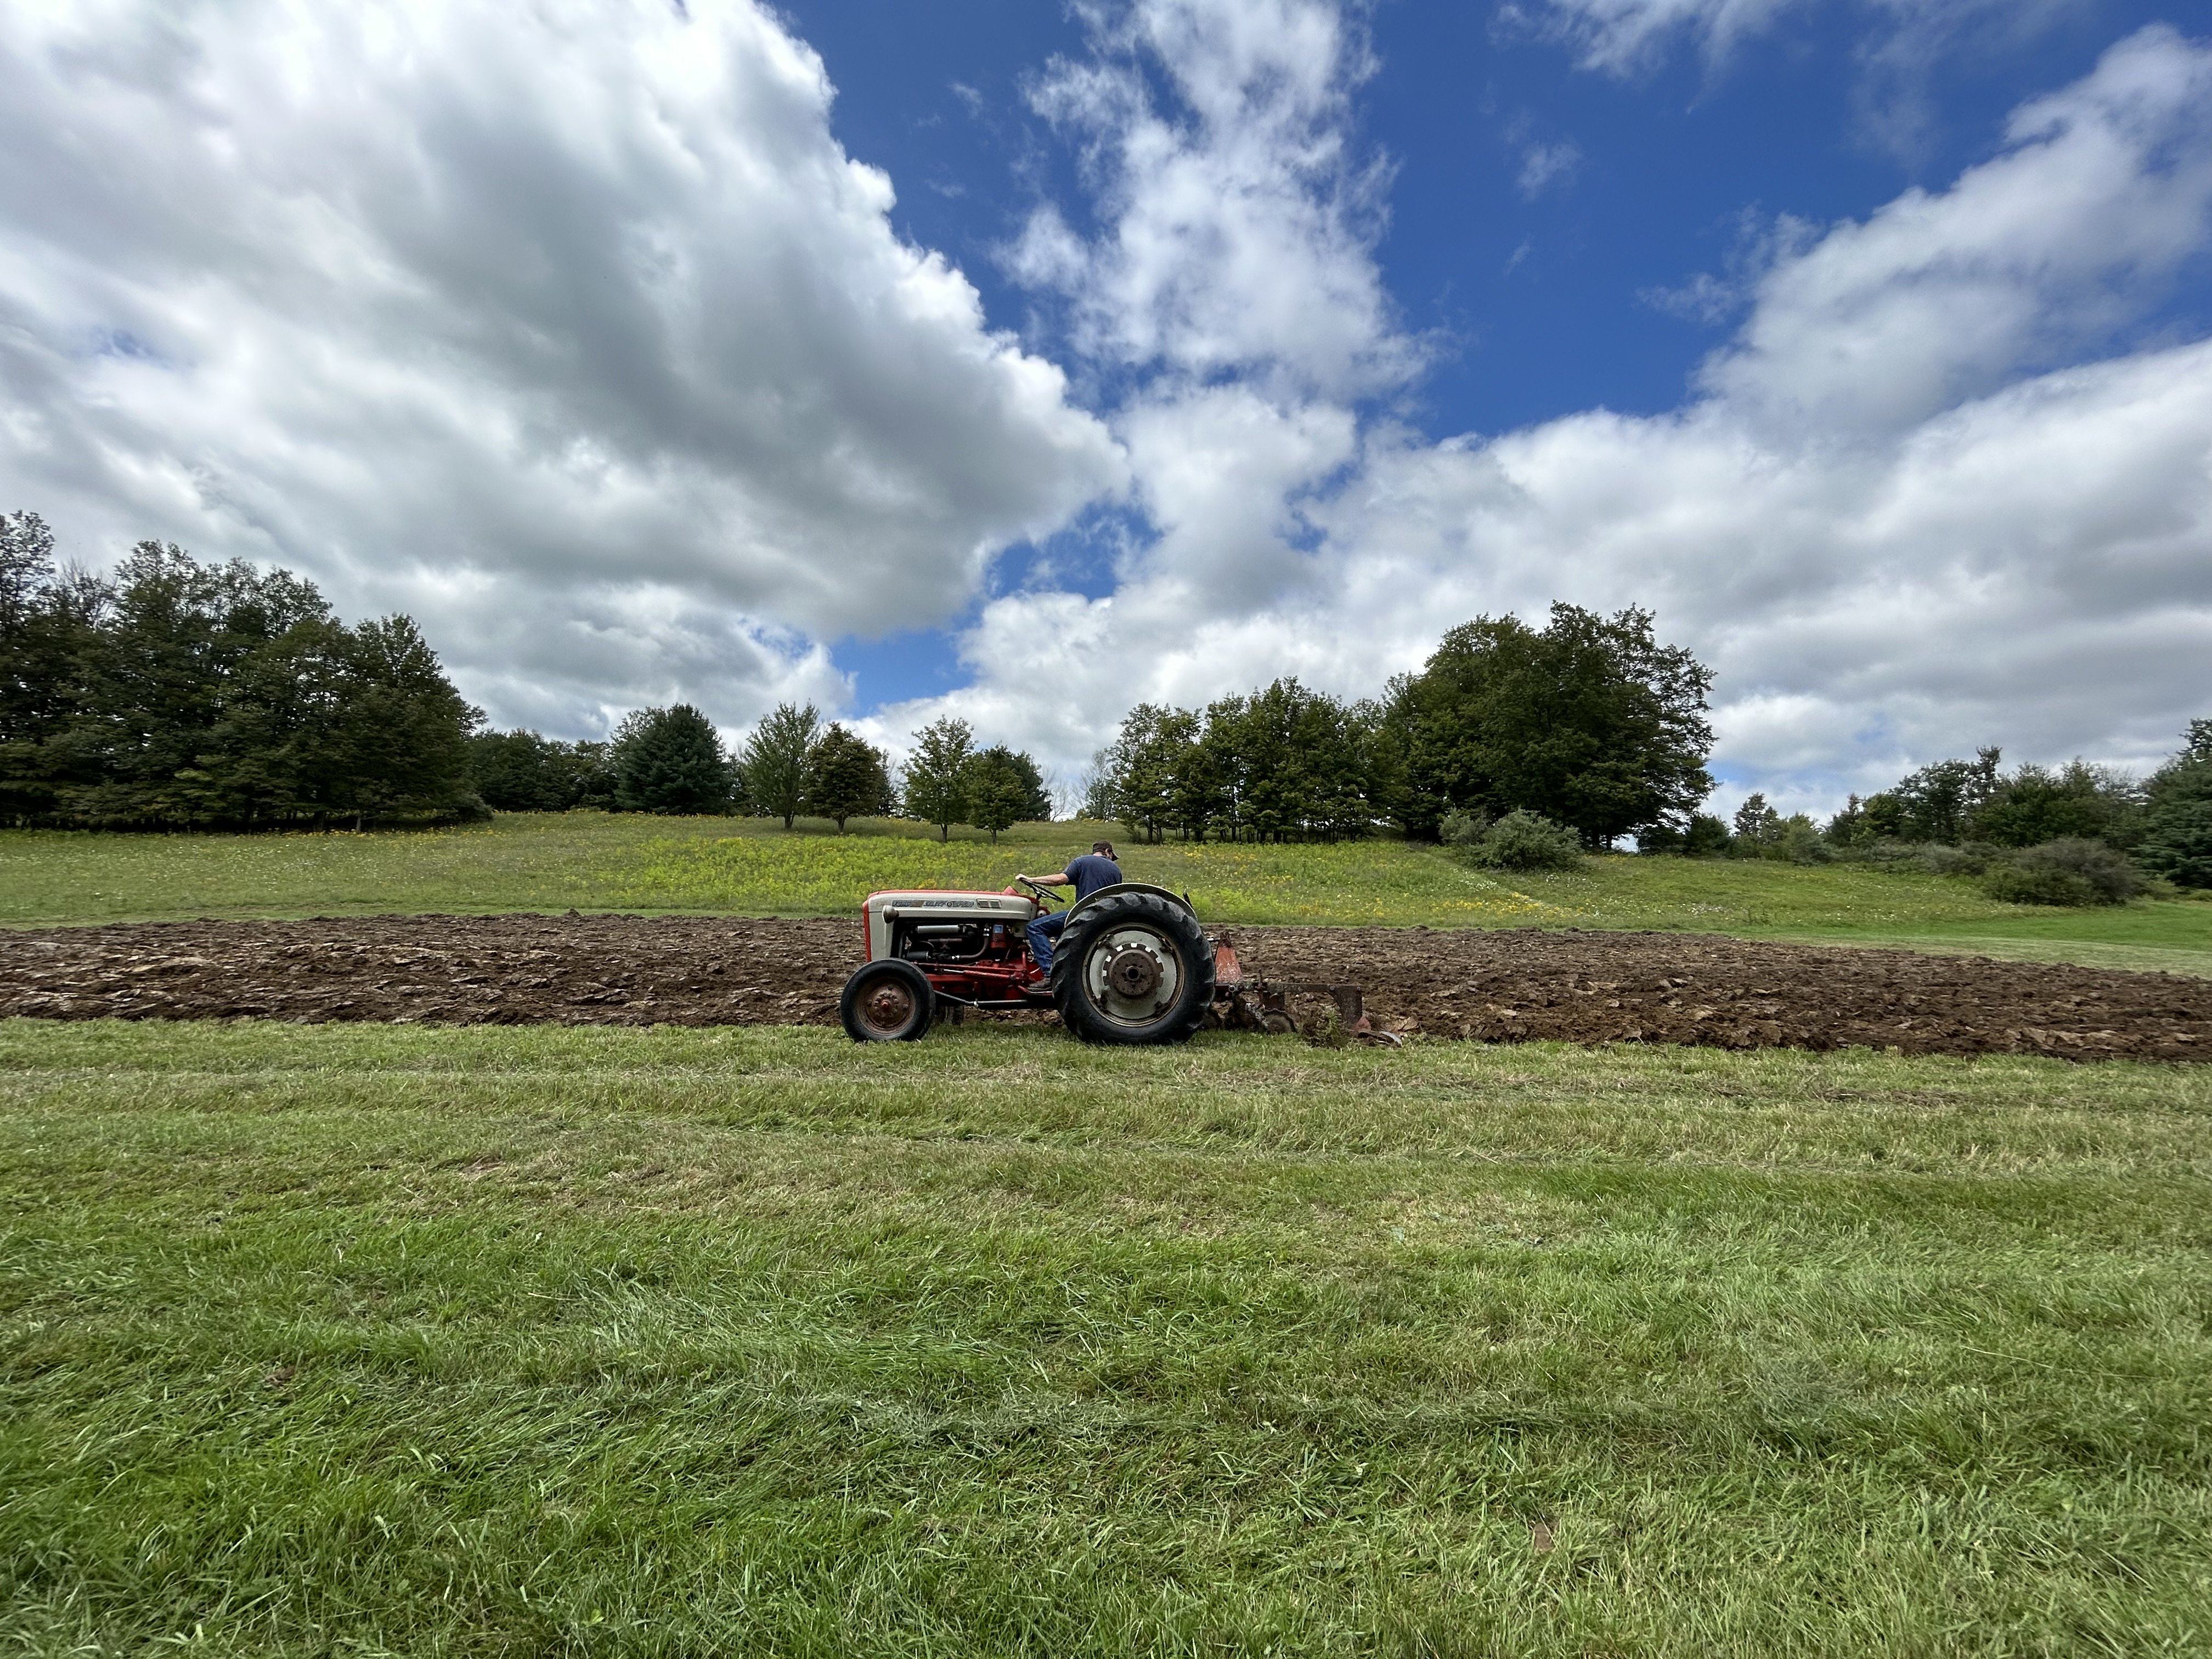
{"points": [[597, 862], [367, 1339]]}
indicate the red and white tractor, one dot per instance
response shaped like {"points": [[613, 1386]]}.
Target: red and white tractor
{"points": [[1132, 965]]}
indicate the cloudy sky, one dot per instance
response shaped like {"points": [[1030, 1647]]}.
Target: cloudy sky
{"points": [[1024, 362]]}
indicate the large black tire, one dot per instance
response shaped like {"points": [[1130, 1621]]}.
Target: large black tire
{"points": [[887, 1000], [1133, 967]]}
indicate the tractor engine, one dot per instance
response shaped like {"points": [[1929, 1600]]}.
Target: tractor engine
{"points": [[971, 945]]}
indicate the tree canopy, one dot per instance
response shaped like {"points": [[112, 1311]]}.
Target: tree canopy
{"points": [[775, 758], [936, 781], [846, 778], [1589, 721], [176, 694], [523, 772]]}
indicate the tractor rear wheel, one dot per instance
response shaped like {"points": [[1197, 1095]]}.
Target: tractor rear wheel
{"points": [[1133, 968], [887, 1000]]}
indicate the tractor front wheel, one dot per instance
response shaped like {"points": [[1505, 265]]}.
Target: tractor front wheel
{"points": [[1133, 968], [887, 1001]]}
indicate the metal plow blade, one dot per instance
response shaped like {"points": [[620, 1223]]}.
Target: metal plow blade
{"points": [[1244, 1004]]}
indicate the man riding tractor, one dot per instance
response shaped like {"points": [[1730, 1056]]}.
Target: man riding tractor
{"points": [[1087, 874], [1132, 966]]}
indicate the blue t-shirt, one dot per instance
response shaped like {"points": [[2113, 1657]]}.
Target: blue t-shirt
{"points": [[1090, 873]]}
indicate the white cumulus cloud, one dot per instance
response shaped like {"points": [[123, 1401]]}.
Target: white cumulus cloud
{"points": [[1237, 220], [568, 326], [2105, 188]]}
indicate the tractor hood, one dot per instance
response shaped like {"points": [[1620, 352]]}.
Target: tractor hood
{"points": [[935, 904]]}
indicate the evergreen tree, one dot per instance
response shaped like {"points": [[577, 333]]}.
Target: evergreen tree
{"points": [[1036, 799], [670, 759], [1850, 828], [402, 748], [1706, 837], [1203, 777], [176, 657], [593, 760], [937, 774], [1937, 803], [1885, 817], [846, 778], [2177, 831], [189, 696], [775, 760], [45, 620], [1758, 826]]}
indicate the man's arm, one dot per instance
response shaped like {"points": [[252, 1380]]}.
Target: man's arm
{"points": [[1058, 879]]}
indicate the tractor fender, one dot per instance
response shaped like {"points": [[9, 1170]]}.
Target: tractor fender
{"points": [[1120, 887]]}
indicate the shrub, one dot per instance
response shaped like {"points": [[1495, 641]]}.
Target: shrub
{"points": [[1939, 859], [1798, 842], [1522, 840], [2071, 871], [1463, 828]]}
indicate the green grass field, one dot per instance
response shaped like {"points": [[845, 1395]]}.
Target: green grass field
{"points": [[371, 1339], [597, 862]]}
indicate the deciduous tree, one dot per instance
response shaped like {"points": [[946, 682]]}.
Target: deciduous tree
{"points": [[1590, 721], [936, 782], [1000, 791], [773, 762], [846, 778]]}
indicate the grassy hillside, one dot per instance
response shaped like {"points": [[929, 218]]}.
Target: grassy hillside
{"points": [[594, 861], [375, 1339]]}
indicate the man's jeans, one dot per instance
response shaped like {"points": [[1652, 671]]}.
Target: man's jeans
{"points": [[1042, 932]]}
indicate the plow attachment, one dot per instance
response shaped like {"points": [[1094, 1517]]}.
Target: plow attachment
{"points": [[1244, 1004]]}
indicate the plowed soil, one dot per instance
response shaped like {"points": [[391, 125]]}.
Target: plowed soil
{"points": [[1495, 987]]}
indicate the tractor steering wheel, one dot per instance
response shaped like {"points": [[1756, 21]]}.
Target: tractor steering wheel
{"points": [[1045, 897]]}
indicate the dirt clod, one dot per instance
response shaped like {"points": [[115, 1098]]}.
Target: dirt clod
{"points": [[1508, 986]]}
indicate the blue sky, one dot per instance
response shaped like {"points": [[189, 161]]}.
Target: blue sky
{"points": [[1548, 221], [1536, 294], [1020, 362]]}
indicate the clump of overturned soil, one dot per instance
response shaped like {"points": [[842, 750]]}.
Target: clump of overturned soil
{"points": [[1495, 987]]}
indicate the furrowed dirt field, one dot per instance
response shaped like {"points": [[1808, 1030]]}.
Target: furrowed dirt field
{"points": [[1497, 986]]}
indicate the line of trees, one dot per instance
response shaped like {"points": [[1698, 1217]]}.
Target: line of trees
{"points": [[2069, 833], [174, 694], [672, 759], [177, 694], [1589, 722]]}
